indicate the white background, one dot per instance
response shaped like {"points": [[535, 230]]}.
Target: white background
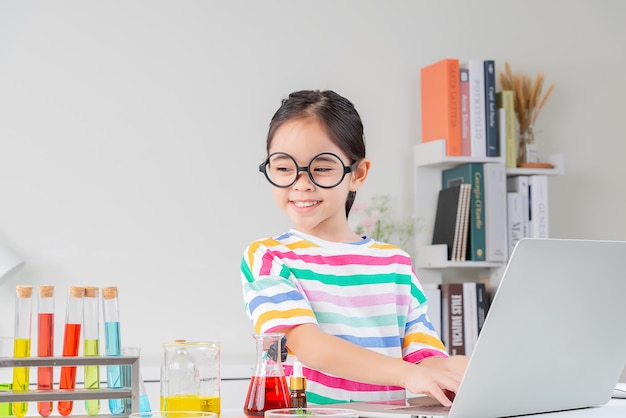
{"points": [[131, 132]]}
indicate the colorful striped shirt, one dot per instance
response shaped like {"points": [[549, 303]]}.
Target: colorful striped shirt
{"points": [[364, 292]]}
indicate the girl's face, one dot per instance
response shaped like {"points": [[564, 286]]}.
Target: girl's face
{"points": [[312, 209]]}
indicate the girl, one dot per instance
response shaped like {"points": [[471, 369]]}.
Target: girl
{"points": [[350, 307]]}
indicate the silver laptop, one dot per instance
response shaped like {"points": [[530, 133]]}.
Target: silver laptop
{"points": [[554, 337]]}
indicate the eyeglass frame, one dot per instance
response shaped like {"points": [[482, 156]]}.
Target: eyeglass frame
{"points": [[346, 169]]}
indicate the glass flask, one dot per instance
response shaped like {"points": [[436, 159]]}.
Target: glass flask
{"points": [[268, 386], [144, 402]]}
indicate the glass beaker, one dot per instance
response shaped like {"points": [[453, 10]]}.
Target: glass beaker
{"points": [[190, 376], [144, 402], [268, 386]]}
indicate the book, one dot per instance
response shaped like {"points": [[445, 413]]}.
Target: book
{"points": [[476, 74], [494, 175], [445, 228], [520, 184], [460, 253], [466, 148], [441, 109], [538, 207], [471, 173], [491, 116], [505, 99], [515, 217], [482, 304], [452, 317], [470, 316]]}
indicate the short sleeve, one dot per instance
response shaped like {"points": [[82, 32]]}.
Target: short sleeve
{"points": [[273, 300]]}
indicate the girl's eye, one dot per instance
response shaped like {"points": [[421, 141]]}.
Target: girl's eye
{"points": [[282, 169]]}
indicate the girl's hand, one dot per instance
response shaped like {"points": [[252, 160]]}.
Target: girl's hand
{"points": [[433, 382]]}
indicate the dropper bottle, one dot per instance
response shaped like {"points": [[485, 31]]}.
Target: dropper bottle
{"points": [[45, 344], [297, 387], [21, 347]]}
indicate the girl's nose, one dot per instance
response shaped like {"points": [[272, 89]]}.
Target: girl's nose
{"points": [[303, 182]]}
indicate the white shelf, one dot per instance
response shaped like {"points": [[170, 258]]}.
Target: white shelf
{"points": [[557, 160], [433, 154], [429, 160], [436, 257]]}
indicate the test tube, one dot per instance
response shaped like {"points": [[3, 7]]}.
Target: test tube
{"points": [[71, 342], [45, 344], [112, 343], [6, 375], [21, 344], [91, 345]]}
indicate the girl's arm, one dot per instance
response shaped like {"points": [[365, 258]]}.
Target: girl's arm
{"points": [[331, 354]]}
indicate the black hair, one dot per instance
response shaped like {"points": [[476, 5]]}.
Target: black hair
{"points": [[337, 116]]}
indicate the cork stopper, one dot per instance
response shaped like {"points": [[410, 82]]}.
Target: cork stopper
{"points": [[77, 291], [91, 292], [24, 291], [109, 292], [46, 291]]}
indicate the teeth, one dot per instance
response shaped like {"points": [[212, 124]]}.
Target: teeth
{"points": [[305, 204]]}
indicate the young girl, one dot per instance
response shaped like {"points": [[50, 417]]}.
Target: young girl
{"points": [[351, 308]]}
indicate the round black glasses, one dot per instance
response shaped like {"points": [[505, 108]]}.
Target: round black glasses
{"points": [[325, 170]]}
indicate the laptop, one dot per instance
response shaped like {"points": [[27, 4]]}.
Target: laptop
{"points": [[554, 338]]}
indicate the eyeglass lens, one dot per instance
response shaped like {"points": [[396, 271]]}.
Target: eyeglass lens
{"points": [[325, 170]]}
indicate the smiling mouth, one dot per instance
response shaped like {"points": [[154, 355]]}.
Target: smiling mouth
{"points": [[307, 204]]}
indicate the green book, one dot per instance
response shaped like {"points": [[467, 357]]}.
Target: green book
{"points": [[471, 173]]}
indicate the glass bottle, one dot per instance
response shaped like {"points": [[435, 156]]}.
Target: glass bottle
{"points": [[268, 386], [112, 343], [71, 342], [144, 402], [297, 387], [21, 344], [180, 380], [45, 344], [91, 345]]}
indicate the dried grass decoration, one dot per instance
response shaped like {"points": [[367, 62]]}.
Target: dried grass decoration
{"points": [[528, 105]]}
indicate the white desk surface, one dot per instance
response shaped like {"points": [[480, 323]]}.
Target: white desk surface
{"points": [[616, 408]]}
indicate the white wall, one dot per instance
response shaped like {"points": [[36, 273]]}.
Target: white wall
{"points": [[131, 133]]}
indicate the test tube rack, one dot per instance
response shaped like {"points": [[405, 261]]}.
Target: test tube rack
{"points": [[77, 394]]}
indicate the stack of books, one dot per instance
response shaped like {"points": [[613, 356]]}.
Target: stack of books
{"points": [[460, 105], [527, 208], [458, 311], [473, 224]]}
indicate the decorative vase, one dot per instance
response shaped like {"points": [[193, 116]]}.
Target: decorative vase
{"points": [[527, 152]]}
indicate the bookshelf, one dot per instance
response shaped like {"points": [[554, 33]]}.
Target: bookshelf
{"points": [[429, 160]]}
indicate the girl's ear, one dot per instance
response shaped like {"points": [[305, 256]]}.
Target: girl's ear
{"points": [[360, 174]]}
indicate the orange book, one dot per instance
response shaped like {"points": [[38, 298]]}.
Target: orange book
{"points": [[441, 104]]}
